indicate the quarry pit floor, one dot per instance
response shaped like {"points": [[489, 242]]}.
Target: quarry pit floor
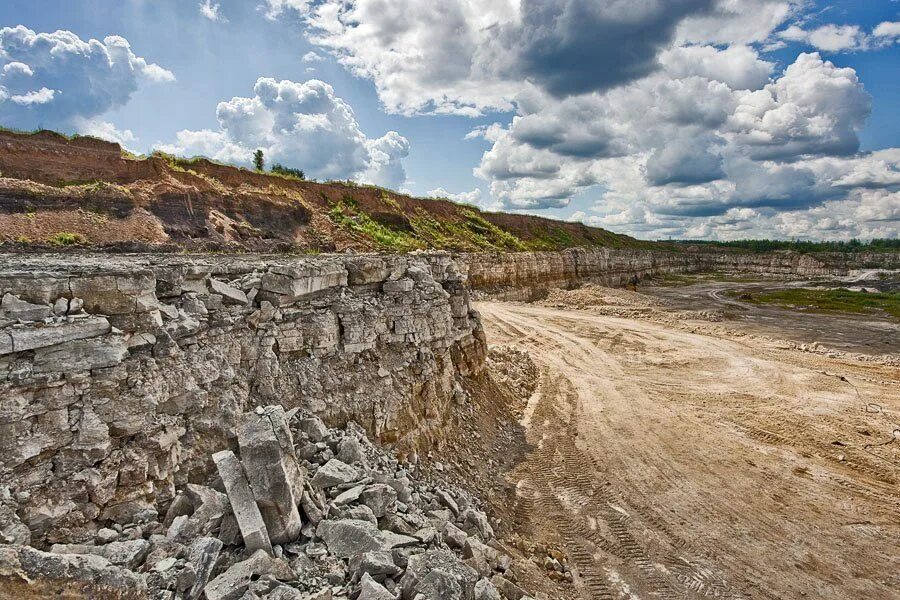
{"points": [[672, 461]]}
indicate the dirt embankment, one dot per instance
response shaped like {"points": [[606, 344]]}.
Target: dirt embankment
{"points": [[84, 191], [673, 461]]}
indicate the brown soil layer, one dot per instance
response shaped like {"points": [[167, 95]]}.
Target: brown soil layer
{"points": [[51, 185]]}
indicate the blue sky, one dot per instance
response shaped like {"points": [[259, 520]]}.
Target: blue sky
{"points": [[771, 140]]}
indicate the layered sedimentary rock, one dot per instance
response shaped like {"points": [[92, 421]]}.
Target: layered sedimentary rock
{"points": [[524, 275], [120, 375]]}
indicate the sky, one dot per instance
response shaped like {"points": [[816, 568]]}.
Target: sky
{"points": [[712, 119]]}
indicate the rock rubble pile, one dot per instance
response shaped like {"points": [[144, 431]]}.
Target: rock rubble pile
{"points": [[297, 511]]}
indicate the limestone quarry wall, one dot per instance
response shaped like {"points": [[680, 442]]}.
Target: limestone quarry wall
{"points": [[121, 375], [525, 275]]}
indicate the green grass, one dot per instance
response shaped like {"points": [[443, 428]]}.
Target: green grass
{"points": [[839, 300], [346, 215], [65, 238]]}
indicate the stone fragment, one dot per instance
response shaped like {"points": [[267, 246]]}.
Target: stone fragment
{"points": [[507, 588], [232, 584], [180, 506], [379, 497], [243, 504], [229, 531], [485, 590], [333, 473], [230, 295], [399, 286], [311, 509], [209, 505], [378, 563], [369, 589], [456, 537], [267, 454], [350, 452], [438, 575], [12, 529], [31, 337], [447, 500], [107, 535], [475, 520], [130, 554], [349, 537], [348, 496], [12, 307], [29, 573], [80, 355], [314, 428], [202, 553], [61, 306]]}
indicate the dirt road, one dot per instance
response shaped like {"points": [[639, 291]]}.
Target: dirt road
{"points": [[674, 465]]}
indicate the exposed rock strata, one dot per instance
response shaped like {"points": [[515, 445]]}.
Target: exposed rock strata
{"points": [[104, 409], [526, 275]]}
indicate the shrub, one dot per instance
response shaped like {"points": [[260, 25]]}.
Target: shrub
{"points": [[259, 162], [65, 238], [288, 172]]}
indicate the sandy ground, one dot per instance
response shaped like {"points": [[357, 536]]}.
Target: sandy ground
{"points": [[672, 464]]}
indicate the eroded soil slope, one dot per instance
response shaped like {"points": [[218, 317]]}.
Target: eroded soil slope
{"points": [[83, 191], [671, 464]]}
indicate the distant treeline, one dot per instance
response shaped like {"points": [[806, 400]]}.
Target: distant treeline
{"points": [[876, 245]]}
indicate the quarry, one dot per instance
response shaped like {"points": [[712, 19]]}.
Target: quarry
{"points": [[228, 385]]}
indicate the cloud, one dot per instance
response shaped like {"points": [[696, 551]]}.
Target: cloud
{"points": [[471, 197], [303, 125], [830, 38], [212, 11], [57, 79], [844, 38], [311, 57], [470, 56], [887, 29], [106, 131]]}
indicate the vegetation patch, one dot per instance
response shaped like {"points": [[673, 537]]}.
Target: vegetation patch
{"points": [[834, 300], [347, 215], [65, 238]]}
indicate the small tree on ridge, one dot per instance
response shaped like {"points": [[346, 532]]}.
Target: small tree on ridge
{"points": [[259, 162]]}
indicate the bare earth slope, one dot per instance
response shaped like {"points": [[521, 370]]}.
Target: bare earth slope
{"points": [[669, 464], [52, 185]]}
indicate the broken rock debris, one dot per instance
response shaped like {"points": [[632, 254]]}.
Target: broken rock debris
{"points": [[365, 529]]}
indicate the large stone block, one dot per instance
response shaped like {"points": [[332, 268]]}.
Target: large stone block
{"points": [[243, 504], [267, 454]]}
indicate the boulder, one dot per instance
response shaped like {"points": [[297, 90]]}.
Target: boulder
{"points": [[369, 589], [230, 295], [349, 537], [378, 564], [232, 584], [130, 554], [379, 497], [485, 590], [243, 504], [438, 575], [267, 455], [12, 307], [29, 573], [202, 554], [335, 472]]}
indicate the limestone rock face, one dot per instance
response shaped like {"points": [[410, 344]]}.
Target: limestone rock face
{"points": [[122, 374], [527, 275]]}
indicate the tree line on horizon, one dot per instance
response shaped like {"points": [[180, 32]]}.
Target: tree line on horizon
{"points": [[766, 245]]}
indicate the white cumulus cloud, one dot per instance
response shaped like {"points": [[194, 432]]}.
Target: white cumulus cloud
{"points": [[303, 125], [57, 79]]}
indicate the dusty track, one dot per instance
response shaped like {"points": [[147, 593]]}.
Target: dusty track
{"points": [[674, 465]]}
